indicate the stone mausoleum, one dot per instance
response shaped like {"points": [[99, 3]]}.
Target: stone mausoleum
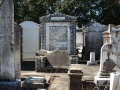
{"points": [[93, 39], [58, 31]]}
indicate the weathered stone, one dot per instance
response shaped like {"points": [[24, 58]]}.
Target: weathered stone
{"points": [[8, 50], [114, 81], [107, 63], [40, 62], [75, 75], [17, 50], [34, 82], [92, 59], [93, 39], [57, 33], [51, 59], [7, 70], [108, 58], [58, 59], [101, 81], [74, 59], [41, 52]]}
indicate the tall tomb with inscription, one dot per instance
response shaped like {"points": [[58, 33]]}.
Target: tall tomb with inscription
{"points": [[58, 31], [7, 60]]}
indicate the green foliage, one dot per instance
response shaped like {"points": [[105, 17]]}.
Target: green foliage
{"points": [[109, 12], [103, 11]]}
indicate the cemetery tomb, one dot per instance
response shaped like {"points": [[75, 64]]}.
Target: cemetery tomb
{"points": [[31, 40], [93, 39], [58, 31]]}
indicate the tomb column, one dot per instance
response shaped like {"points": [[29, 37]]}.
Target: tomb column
{"points": [[75, 75]]}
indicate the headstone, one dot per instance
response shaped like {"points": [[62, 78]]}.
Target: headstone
{"points": [[7, 60], [34, 82], [58, 31], [75, 75], [114, 81], [92, 59], [107, 64]]}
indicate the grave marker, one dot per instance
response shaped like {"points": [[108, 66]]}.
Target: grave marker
{"points": [[107, 63], [92, 59]]}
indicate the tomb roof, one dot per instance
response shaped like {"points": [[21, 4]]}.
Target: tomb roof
{"points": [[62, 17], [29, 24]]}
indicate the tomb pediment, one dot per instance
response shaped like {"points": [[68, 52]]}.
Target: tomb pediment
{"points": [[95, 26], [58, 17]]}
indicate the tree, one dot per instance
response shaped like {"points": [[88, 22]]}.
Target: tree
{"points": [[109, 12], [103, 11], [32, 9], [83, 9]]}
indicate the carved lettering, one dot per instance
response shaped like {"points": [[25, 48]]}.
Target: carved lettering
{"points": [[58, 37]]}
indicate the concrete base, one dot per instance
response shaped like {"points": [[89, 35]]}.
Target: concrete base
{"points": [[10, 85], [101, 81], [92, 63]]}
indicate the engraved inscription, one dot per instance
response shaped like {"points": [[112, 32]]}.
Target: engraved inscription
{"points": [[58, 37]]}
